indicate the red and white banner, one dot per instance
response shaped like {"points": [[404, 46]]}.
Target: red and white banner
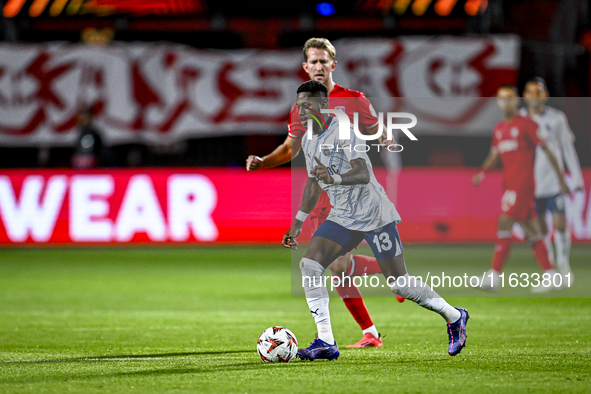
{"points": [[220, 205], [159, 93]]}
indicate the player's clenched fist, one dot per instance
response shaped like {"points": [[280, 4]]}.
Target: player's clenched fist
{"points": [[254, 163], [289, 238], [321, 172]]}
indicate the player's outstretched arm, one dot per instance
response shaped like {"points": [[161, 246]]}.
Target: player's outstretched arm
{"points": [[359, 174], [554, 163], [491, 161], [284, 153], [311, 196]]}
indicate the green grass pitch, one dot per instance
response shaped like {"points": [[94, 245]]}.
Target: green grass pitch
{"points": [[186, 320]]}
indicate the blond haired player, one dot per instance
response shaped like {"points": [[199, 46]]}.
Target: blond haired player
{"points": [[319, 63]]}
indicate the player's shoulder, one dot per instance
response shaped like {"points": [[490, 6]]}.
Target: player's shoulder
{"points": [[554, 113], [341, 91], [499, 125]]}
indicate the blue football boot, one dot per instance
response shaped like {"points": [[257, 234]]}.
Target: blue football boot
{"points": [[319, 349], [457, 333]]}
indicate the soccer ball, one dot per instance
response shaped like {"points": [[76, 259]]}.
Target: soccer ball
{"points": [[277, 345]]}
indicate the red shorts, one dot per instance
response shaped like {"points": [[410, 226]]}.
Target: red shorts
{"points": [[318, 216], [320, 211], [518, 205]]}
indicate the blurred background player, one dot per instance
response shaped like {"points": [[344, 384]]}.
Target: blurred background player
{"points": [[319, 64], [514, 143], [549, 195]]}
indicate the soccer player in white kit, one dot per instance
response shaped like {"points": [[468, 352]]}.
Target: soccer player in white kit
{"points": [[361, 210], [549, 197]]}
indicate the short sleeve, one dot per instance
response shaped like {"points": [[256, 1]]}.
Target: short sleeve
{"points": [[566, 134], [570, 154], [295, 128], [368, 118]]}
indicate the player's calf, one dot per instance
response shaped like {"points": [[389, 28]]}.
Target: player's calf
{"points": [[421, 293]]}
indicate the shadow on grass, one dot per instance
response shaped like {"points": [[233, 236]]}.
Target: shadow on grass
{"points": [[199, 368], [154, 372], [126, 357]]}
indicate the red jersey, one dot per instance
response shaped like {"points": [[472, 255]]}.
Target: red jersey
{"points": [[348, 101], [516, 142]]}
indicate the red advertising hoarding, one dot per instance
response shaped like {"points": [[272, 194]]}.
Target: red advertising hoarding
{"points": [[130, 206]]}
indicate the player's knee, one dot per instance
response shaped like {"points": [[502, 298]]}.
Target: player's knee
{"points": [[534, 238], [410, 288], [504, 223], [312, 279], [318, 251], [559, 222], [309, 267], [504, 234], [401, 285]]}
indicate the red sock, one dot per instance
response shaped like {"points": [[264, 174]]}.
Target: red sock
{"points": [[364, 265], [502, 249], [541, 252], [354, 302]]}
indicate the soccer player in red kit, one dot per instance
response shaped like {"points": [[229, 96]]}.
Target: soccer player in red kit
{"points": [[514, 143], [319, 64]]}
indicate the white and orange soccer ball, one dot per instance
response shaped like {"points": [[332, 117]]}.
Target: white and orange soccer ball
{"points": [[277, 345]]}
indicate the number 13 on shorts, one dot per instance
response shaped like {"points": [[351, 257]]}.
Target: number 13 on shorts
{"points": [[382, 242], [385, 242]]}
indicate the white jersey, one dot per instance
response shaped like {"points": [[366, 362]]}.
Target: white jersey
{"points": [[356, 207], [553, 125]]}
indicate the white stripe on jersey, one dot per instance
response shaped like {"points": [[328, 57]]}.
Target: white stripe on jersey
{"points": [[554, 128], [356, 207]]}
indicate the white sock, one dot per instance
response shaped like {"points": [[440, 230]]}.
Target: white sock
{"points": [[563, 244], [325, 332], [317, 297], [372, 330], [421, 293], [550, 247]]}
